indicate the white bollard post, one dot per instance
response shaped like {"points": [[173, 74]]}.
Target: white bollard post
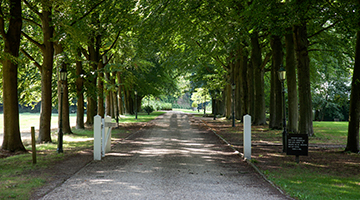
{"points": [[247, 137], [97, 137], [108, 143]]}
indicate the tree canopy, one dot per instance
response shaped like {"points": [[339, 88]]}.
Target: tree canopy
{"points": [[114, 48]]}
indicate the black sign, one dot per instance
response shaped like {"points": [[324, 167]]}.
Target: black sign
{"points": [[297, 144]]}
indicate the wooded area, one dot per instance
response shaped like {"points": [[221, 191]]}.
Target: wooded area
{"points": [[113, 48]]}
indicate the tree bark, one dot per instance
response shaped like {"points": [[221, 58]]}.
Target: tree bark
{"points": [[79, 94], [259, 117], [244, 83], [91, 109], [101, 108], [301, 44], [251, 88], [354, 113], [276, 88], [120, 93], [108, 98], [227, 92], [12, 139], [46, 75], [291, 84]]}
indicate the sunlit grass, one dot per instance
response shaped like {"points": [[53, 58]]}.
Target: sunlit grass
{"points": [[330, 132], [208, 111], [141, 117], [304, 184], [28, 120]]}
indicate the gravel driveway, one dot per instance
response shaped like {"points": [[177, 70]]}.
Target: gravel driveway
{"points": [[171, 160]]}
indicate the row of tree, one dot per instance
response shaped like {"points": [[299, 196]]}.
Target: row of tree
{"points": [[120, 47], [242, 43], [95, 41]]}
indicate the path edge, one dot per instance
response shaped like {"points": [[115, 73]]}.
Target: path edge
{"points": [[247, 161]]}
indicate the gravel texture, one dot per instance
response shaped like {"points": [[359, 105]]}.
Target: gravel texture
{"points": [[171, 160]]}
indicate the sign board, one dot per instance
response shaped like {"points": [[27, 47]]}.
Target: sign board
{"points": [[297, 144], [109, 124]]}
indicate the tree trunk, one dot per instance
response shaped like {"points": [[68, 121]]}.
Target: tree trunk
{"points": [[94, 59], [79, 94], [259, 117], [46, 75], [227, 92], [120, 93], [244, 83], [12, 139], [108, 94], [129, 102], [221, 106], [354, 114], [237, 80], [113, 95], [291, 84], [276, 88], [101, 108], [251, 88], [303, 71]]}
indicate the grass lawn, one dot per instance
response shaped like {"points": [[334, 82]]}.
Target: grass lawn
{"points": [[326, 173], [27, 120]]}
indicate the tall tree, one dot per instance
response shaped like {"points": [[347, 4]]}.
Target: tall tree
{"points": [[301, 44], [12, 139], [47, 48], [276, 95], [290, 67], [354, 115], [259, 71]]}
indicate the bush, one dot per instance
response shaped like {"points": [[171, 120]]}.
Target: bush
{"points": [[156, 105], [149, 109], [194, 105], [166, 106]]}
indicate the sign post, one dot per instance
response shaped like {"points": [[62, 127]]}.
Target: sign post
{"points": [[298, 145]]}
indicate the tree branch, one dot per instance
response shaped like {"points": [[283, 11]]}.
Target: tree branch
{"points": [[266, 60], [32, 59], [324, 29], [214, 57], [33, 8], [86, 14], [113, 44], [41, 46], [32, 21], [83, 51]]}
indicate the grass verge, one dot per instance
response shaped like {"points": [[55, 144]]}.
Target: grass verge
{"points": [[326, 173]]}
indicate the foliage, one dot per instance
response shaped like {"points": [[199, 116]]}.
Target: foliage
{"points": [[200, 96], [148, 109]]}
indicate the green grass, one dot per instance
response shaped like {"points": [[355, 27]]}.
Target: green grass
{"points": [[27, 120], [330, 132], [15, 181], [208, 111], [304, 184], [141, 117]]}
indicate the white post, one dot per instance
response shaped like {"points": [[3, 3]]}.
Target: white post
{"points": [[103, 138], [97, 137], [108, 142], [247, 137]]}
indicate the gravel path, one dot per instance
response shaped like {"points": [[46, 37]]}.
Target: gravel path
{"points": [[170, 160]]}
